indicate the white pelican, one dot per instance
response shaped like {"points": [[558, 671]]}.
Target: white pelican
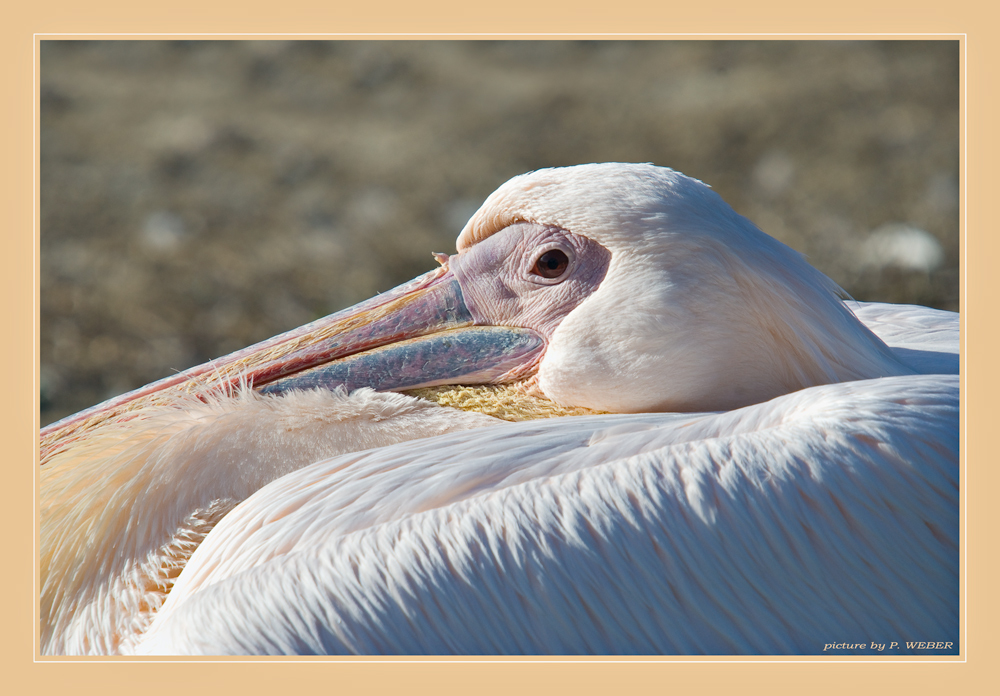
{"points": [[775, 478]]}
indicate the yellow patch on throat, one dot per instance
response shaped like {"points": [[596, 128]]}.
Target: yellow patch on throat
{"points": [[509, 402]]}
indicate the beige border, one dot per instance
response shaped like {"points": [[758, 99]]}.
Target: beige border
{"points": [[20, 281]]}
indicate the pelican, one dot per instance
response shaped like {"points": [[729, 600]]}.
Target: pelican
{"points": [[620, 419]]}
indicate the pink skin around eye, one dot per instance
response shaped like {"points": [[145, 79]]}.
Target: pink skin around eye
{"points": [[501, 289]]}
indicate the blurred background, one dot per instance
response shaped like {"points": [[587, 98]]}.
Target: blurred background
{"points": [[197, 197]]}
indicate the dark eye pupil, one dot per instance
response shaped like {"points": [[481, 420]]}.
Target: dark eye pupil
{"points": [[551, 264]]}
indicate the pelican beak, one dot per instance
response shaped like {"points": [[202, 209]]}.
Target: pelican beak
{"points": [[416, 335], [420, 334]]}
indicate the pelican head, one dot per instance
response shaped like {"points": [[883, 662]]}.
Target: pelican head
{"points": [[698, 310], [613, 287]]}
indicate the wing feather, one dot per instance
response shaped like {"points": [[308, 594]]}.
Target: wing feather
{"points": [[826, 515], [925, 339]]}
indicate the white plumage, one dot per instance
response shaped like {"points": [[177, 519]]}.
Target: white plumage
{"points": [[766, 530], [827, 513]]}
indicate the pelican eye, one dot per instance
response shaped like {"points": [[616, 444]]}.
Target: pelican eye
{"points": [[551, 264]]}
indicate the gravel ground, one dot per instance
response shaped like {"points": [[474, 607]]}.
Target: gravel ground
{"points": [[197, 197]]}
